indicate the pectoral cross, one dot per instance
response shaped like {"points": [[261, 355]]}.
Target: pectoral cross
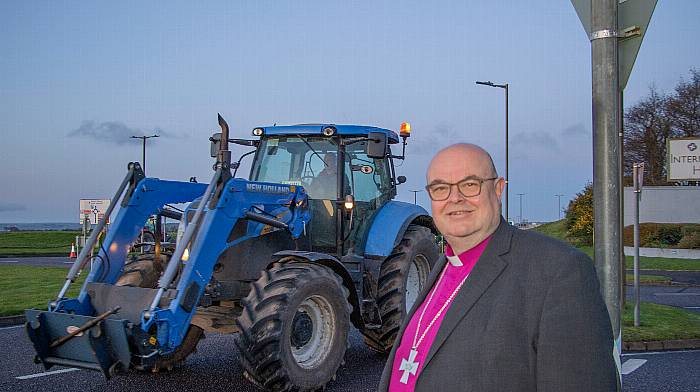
{"points": [[409, 366]]}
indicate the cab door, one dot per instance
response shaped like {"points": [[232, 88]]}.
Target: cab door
{"points": [[371, 186]]}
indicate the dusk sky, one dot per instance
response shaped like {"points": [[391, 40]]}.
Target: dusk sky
{"points": [[78, 78]]}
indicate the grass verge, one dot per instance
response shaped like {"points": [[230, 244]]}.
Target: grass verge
{"points": [[649, 279], [36, 243], [25, 287], [659, 322], [663, 263], [556, 229]]}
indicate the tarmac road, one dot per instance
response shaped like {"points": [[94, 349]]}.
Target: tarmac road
{"points": [[215, 368], [686, 297], [684, 277], [38, 261]]}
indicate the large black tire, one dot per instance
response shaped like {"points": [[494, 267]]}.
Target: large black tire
{"points": [[294, 327], [177, 358], [402, 276], [145, 272]]}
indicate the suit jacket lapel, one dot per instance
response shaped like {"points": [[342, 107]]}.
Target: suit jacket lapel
{"points": [[485, 272]]}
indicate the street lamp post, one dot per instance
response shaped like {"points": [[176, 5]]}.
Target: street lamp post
{"points": [[143, 164], [558, 196], [143, 154], [505, 87], [415, 193], [520, 196]]}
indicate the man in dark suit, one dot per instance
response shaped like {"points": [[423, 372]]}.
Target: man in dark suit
{"points": [[504, 309]]}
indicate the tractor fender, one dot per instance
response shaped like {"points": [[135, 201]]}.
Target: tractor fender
{"points": [[389, 225], [335, 265]]}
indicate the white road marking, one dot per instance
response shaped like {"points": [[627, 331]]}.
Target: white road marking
{"points": [[631, 365], [658, 352], [9, 261], [12, 327], [46, 373], [692, 307], [646, 269]]}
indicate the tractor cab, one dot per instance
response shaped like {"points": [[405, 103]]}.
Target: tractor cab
{"points": [[346, 171]]}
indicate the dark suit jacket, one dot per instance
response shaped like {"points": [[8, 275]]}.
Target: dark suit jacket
{"points": [[530, 317]]}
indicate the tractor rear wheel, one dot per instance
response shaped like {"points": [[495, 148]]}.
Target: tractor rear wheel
{"points": [[402, 277], [145, 272], [294, 327]]}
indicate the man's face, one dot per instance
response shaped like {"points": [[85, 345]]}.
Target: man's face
{"points": [[459, 217], [330, 161]]}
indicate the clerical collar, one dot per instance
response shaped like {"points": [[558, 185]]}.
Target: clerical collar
{"points": [[454, 260], [458, 261]]}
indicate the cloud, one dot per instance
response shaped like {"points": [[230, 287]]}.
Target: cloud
{"points": [[9, 207], [431, 142], [536, 140], [114, 132], [576, 130]]}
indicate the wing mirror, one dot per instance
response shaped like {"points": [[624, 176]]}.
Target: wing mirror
{"points": [[400, 180], [376, 145], [215, 140]]}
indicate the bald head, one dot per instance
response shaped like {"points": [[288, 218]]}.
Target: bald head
{"points": [[465, 169], [461, 152]]}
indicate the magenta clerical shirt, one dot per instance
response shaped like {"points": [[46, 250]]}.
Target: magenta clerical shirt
{"points": [[455, 271]]}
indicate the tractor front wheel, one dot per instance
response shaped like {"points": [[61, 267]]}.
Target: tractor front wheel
{"points": [[145, 272], [294, 327], [402, 277]]}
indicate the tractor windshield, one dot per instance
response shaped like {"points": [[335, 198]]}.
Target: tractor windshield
{"points": [[306, 161]]}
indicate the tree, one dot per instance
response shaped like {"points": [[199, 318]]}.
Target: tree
{"points": [[654, 119], [647, 126], [579, 217], [683, 108]]}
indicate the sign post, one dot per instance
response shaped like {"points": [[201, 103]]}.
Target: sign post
{"points": [[91, 212], [615, 29], [638, 179]]}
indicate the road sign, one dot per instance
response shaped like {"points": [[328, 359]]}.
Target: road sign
{"points": [[633, 18], [93, 209], [683, 160]]}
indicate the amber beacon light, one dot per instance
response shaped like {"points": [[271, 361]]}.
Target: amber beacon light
{"points": [[405, 130]]}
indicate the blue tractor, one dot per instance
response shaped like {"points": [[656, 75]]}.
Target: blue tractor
{"points": [[288, 259]]}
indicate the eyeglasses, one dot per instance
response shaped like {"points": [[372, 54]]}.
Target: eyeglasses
{"points": [[468, 187]]}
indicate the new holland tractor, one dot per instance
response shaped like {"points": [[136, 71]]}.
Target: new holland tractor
{"points": [[288, 259]]}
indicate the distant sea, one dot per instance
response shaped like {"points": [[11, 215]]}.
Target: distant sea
{"points": [[40, 226]]}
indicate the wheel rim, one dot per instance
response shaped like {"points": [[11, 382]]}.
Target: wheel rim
{"points": [[415, 279], [313, 330]]}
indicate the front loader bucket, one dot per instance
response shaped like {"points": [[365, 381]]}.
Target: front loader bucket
{"points": [[102, 347]]}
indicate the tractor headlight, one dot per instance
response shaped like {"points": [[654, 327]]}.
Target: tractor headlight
{"points": [[349, 202], [258, 132], [180, 233], [329, 131]]}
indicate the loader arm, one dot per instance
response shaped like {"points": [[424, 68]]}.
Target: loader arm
{"points": [[239, 200]]}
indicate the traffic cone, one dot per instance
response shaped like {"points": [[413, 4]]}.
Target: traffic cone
{"points": [[72, 251]]}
